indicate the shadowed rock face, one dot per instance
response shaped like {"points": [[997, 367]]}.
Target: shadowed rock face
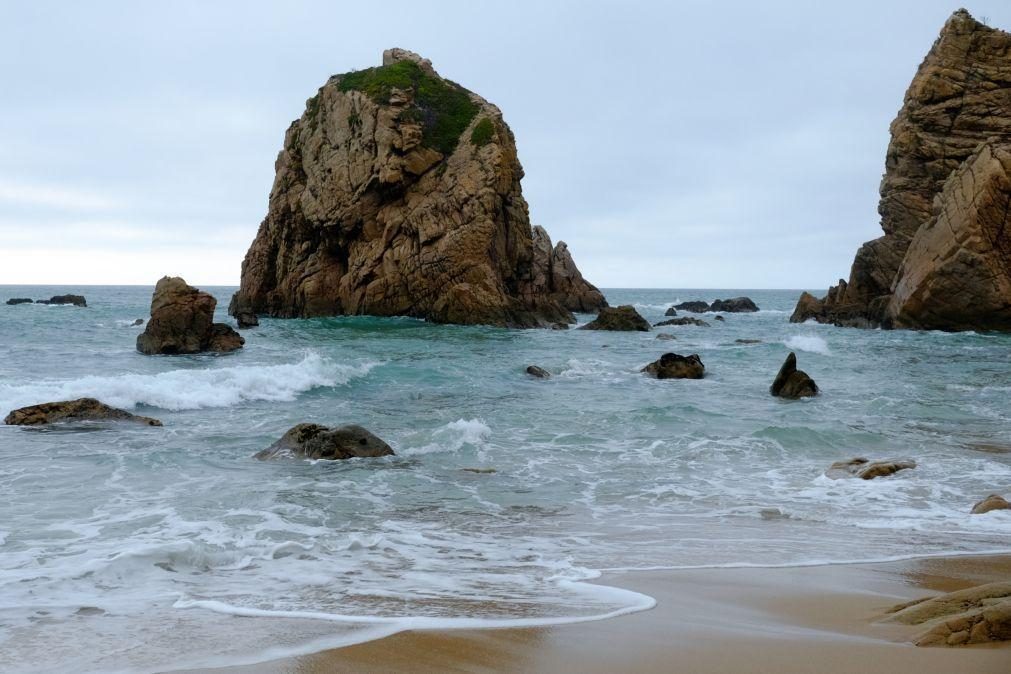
{"points": [[398, 193], [959, 99], [312, 441], [676, 366], [82, 409], [866, 469], [623, 318], [182, 321], [791, 382]]}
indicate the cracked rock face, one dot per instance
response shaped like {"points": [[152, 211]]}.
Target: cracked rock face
{"points": [[398, 193], [182, 321], [975, 615], [959, 100]]}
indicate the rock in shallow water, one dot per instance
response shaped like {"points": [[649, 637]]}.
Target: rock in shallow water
{"points": [[182, 322], [539, 372], [734, 305], [76, 300], [976, 615], [82, 409], [791, 382], [696, 307], [676, 366], [623, 318], [991, 502], [686, 320], [866, 469], [312, 441], [19, 300]]}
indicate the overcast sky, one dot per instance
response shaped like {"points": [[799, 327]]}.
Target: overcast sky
{"points": [[671, 144]]}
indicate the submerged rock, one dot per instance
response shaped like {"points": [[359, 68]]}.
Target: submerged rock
{"points": [[791, 382], [944, 261], [312, 441], [82, 409], [19, 300], [539, 372], [182, 322], [624, 318], [696, 307], [734, 305], [866, 469], [976, 615], [747, 341], [76, 300], [991, 502], [397, 193], [720, 318], [665, 336], [139, 321], [685, 320], [676, 366]]}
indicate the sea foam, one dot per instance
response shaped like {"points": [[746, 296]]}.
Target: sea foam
{"points": [[809, 343], [193, 389]]}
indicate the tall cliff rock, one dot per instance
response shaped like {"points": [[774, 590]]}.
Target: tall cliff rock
{"points": [[959, 98], [398, 193]]}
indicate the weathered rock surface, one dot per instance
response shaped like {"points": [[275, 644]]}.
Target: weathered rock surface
{"points": [[398, 193], [676, 366], [76, 300], [182, 321], [684, 320], [936, 224], [623, 318], [866, 469], [696, 307], [244, 315], [82, 409], [991, 502], [312, 441], [791, 382], [976, 615], [19, 300], [538, 372], [734, 305]]}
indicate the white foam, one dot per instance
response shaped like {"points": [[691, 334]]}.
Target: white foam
{"points": [[192, 389], [809, 343], [454, 436]]}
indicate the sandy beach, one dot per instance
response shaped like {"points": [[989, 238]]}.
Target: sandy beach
{"points": [[778, 620]]}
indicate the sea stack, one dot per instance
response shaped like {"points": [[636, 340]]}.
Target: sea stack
{"points": [[398, 193], [944, 261], [182, 321]]}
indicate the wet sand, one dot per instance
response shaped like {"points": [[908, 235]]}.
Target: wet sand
{"points": [[779, 621]]}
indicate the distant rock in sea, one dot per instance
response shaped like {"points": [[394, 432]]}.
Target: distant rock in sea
{"points": [[791, 382], [312, 441], [82, 409], [991, 502], [671, 311], [866, 469], [538, 372], [734, 305], [397, 193], [76, 300], [623, 318], [676, 366], [944, 261], [19, 300], [182, 321], [696, 307], [684, 320]]}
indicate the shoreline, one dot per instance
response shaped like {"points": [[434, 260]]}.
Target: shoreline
{"points": [[757, 619]]}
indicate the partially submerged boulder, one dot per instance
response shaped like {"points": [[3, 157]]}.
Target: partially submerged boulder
{"points": [[676, 366], [976, 615], [538, 372], [76, 300], [623, 318], [720, 319], [312, 441], [991, 502], [182, 321], [685, 320], [671, 311], [82, 409], [866, 469], [791, 382], [734, 305], [696, 306], [19, 300], [747, 341], [139, 321], [665, 336]]}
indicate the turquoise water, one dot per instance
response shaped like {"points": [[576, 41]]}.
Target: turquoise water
{"points": [[122, 547]]}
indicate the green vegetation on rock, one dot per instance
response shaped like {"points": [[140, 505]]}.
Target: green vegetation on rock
{"points": [[443, 108], [482, 133]]}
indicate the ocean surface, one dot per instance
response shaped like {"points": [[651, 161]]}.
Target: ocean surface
{"points": [[130, 548]]}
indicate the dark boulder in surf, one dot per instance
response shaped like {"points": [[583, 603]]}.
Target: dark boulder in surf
{"points": [[676, 366], [538, 372], [686, 320], [312, 441], [182, 321], [623, 318], [19, 300], [83, 409], [696, 307], [671, 311], [791, 382], [76, 300], [734, 305], [866, 469]]}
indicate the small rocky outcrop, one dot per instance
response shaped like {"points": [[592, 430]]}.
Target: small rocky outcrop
{"points": [[791, 382], [991, 502], [312, 441], [944, 261], [676, 366], [182, 321], [976, 615], [671, 311], [684, 320], [19, 300], [623, 318], [397, 193], [665, 336], [139, 321], [696, 306], [76, 300], [82, 409], [747, 341], [866, 469], [721, 319], [734, 305], [538, 372]]}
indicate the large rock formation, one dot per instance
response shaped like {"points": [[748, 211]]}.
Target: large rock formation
{"points": [[82, 409], [182, 321], [945, 258], [623, 318], [398, 193]]}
